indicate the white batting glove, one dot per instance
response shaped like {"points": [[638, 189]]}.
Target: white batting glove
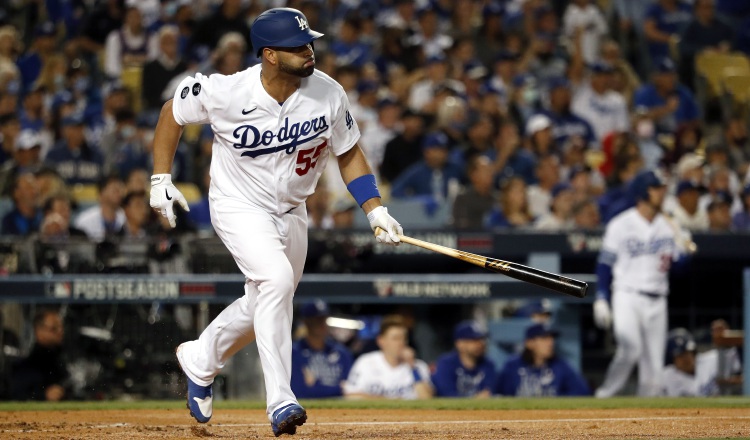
{"points": [[391, 229], [602, 313], [163, 196]]}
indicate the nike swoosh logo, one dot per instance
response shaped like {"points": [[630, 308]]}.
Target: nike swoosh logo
{"points": [[167, 192], [205, 405], [247, 112]]}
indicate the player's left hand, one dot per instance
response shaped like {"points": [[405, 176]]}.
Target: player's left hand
{"points": [[391, 229], [163, 196]]}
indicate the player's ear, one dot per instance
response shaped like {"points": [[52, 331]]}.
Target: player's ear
{"points": [[270, 55]]}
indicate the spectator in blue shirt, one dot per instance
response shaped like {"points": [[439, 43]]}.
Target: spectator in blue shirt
{"points": [[565, 123], [430, 177], [319, 364], [26, 215], [665, 101], [741, 220], [704, 32], [30, 63], [465, 372], [538, 372], [348, 48], [663, 23], [73, 158], [31, 114]]}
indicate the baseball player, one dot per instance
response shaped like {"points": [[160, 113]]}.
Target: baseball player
{"points": [[689, 374], [391, 372], [638, 248], [465, 372], [274, 126]]}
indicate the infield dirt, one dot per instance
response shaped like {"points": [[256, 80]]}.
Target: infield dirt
{"points": [[383, 424]]}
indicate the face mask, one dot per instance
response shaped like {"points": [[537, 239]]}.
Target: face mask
{"points": [[645, 129]]}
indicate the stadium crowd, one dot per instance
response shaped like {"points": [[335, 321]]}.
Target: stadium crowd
{"points": [[512, 113]]}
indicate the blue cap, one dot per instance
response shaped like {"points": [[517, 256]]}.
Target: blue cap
{"points": [[469, 330], [687, 185], [435, 139], [437, 58], [314, 309], [665, 65], [533, 308], [539, 330], [560, 187], [720, 198], [601, 67], [558, 82], [366, 86], [74, 119], [680, 341]]}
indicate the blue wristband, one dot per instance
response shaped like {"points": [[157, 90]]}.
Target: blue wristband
{"points": [[363, 188]]}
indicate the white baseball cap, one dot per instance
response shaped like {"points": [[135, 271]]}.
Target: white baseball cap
{"points": [[689, 161], [28, 139], [537, 123]]}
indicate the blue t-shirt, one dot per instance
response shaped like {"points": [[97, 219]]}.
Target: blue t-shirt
{"points": [[417, 180], [648, 98], [452, 379], [557, 378], [82, 166], [570, 124], [330, 366], [670, 22], [14, 223]]}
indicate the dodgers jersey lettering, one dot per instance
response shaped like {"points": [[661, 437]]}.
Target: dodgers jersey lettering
{"points": [[266, 153], [640, 252]]}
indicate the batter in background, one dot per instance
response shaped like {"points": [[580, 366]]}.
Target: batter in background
{"points": [[274, 126], [639, 247]]}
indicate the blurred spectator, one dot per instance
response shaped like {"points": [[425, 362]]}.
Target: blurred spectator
{"points": [[31, 62], [617, 199], [158, 72], [74, 159], [138, 179], [565, 122], [343, 213], [584, 20], [465, 372], [423, 95], [26, 159], [690, 167], [431, 176], [665, 101], [510, 156], [42, 375], [542, 59], [428, 35], [736, 138], [475, 201], [741, 220], [375, 136], [10, 48], [52, 77], [50, 184], [624, 79], [56, 221], [478, 140], [31, 114], [539, 312], [705, 32], [120, 147], [664, 20], [107, 217], [363, 109], [348, 47], [391, 372], [136, 209], [583, 183], [208, 31], [719, 215], [687, 140], [687, 212], [727, 359], [489, 40], [26, 215], [539, 137], [129, 46], [10, 128], [514, 207], [559, 217], [586, 215], [320, 365], [722, 182], [106, 17], [538, 372], [504, 70], [539, 194], [688, 373], [595, 101]]}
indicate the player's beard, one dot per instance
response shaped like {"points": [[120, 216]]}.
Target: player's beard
{"points": [[302, 71]]}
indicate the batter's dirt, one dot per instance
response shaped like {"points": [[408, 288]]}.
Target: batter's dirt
{"points": [[383, 424]]}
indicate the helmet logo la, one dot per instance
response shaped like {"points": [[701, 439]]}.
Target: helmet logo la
{"points": [[302, 22]]}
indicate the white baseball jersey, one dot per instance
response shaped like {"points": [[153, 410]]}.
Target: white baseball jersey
{"points": [[606, 113], [702, 383], [642, 252], [267, 154], [372, 374]]}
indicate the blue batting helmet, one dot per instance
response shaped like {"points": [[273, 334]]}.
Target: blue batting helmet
{"points": [[679, 341], [281, 27], [643, 181]]}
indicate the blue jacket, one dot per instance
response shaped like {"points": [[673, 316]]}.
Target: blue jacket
{"points": [[330, 366], [648, 98], [452, 379], [669, 22], [417, 180], [570, 124], [557, 378]]}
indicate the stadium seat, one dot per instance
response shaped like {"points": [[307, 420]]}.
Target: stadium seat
{"points": [[737, 87], [714, 67], [132, 78], [190, 190]]}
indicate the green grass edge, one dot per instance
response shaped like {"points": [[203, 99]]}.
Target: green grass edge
{"points": [[559, 403]]}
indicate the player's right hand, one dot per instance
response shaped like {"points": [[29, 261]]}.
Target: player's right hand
{"points": [[163, 196], [391, 229], [602, 313]]}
